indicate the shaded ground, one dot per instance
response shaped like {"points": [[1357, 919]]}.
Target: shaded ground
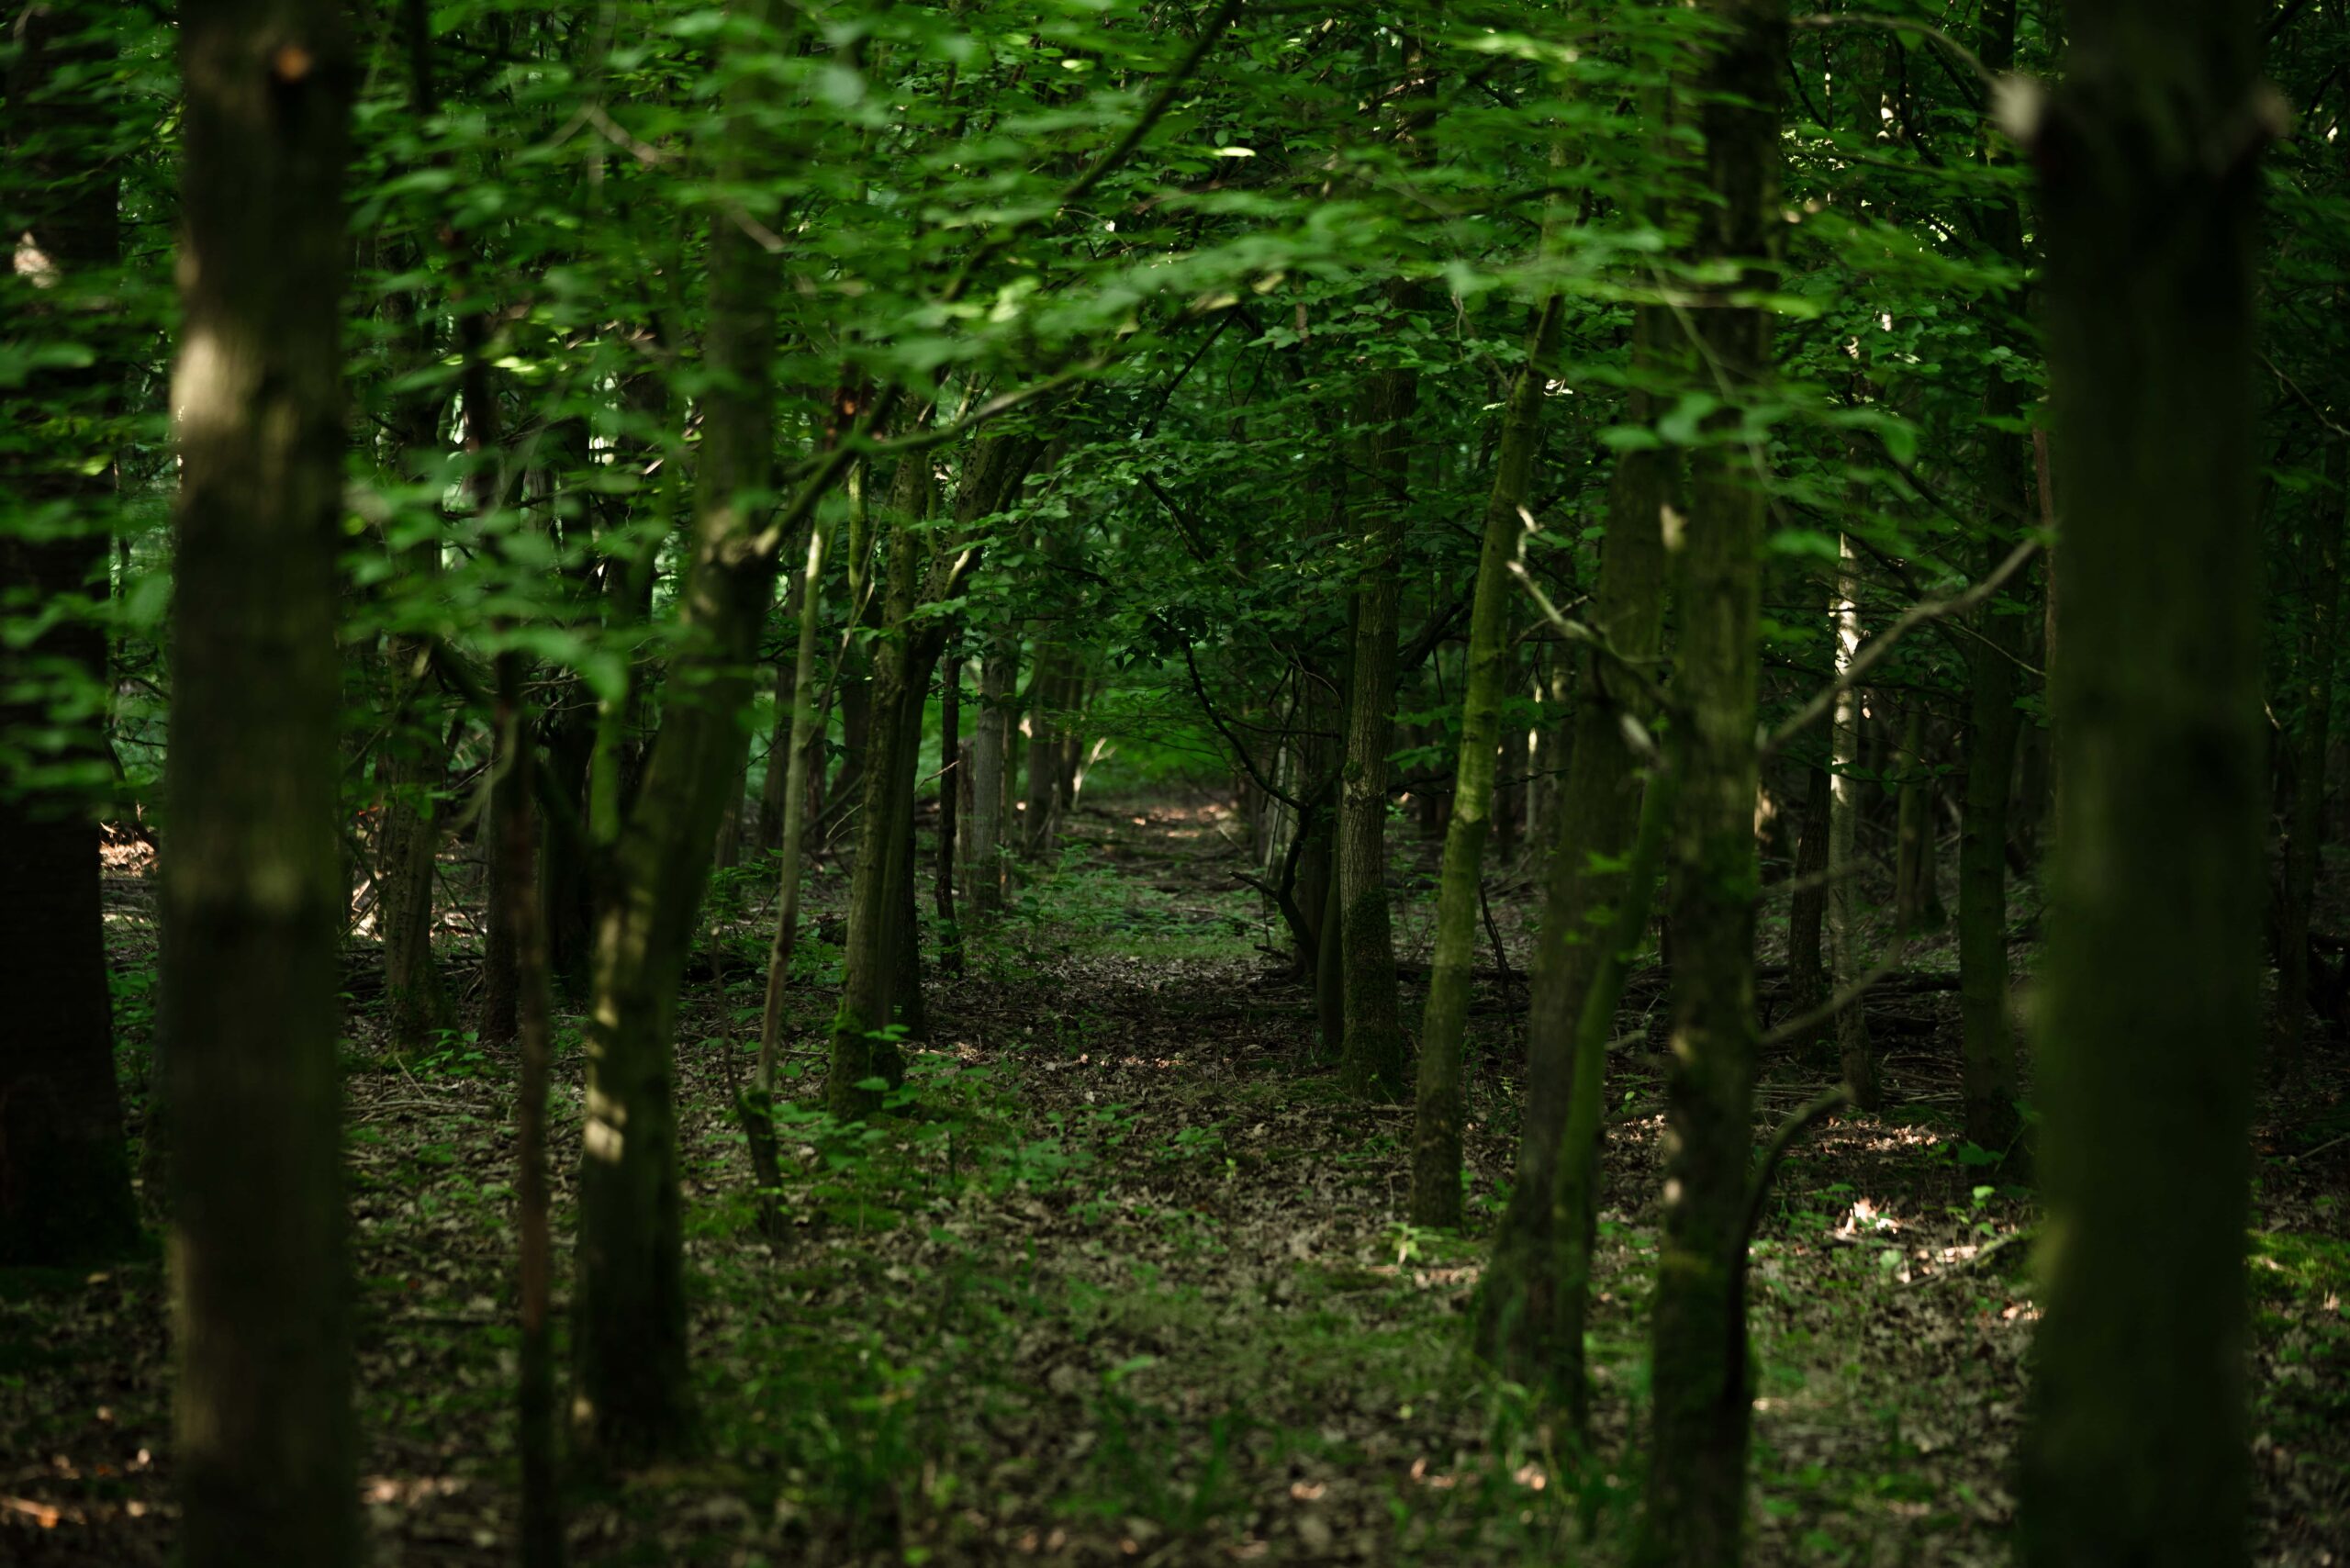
{"points": [[1125, 1281]]}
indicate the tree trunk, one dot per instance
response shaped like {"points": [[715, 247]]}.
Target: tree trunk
{"points": [[768, 833], [1529, 1322], [1376, 1052], [515, 833], [989, 758], [410, 767], [2321, 584], [1988, 1056], [629, 1401], [1438, 1102], [65, 1176], [2150, 170], [950, 799], [501, 971], [1844, 902], [1695, 1504], [1049, 696], [1916, 897], [865, 1060], [726, 849], [252, 897], [1808, 907], [802, 760]]}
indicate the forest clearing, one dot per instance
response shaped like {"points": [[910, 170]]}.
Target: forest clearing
{"points": [[966, 781]]}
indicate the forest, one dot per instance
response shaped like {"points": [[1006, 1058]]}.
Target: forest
{"points": [[1184, 781]]}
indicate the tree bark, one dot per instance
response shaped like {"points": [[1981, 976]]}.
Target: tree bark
{"points": [[2149, 160], [1844, 904], [1438, 1102], [631, 1401], [769, 831], [252, 897], [2321, 584], [864, 1059], [950, 778], [1529, 1320], [1695, 1502], [1808, 907], [1376, 1052], [991, 757], [802, 760], [515, 833], [1916, 896], [1989, 1058]]}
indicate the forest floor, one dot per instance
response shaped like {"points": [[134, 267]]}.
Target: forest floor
{"points": [[1126, 1281]]}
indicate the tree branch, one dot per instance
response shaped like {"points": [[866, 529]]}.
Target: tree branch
{"points": [[1882, 642]]}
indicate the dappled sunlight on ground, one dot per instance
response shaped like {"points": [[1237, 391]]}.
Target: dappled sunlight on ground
{"points": [[1125, 1280]]}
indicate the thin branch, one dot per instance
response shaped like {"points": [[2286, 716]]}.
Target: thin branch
{"points": [[1882, 642], [1247, 763], [1112, 156], [1592, 638], [1933, 34], [1803, 1024], [1759, 1190]]}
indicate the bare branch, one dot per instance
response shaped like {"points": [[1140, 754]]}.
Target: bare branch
{"points": [[1917, 615]]}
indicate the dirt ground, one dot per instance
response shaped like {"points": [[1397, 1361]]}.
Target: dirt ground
{"points": [[1124, 1280]]}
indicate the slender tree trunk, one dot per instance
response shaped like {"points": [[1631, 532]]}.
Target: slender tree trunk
{"points": [[64, 1177], [1807, 908], [2321, 582], [1988, 1069], [951, 763], [990, 759], [1049, 696], [1844, 904], [1329, 968], [516, 833], [252, 897], [909, 1006], [769, 831], [1917, 899], [726, 849], [410, 767], [2150, 168], [801, 762], [1438, 1108], [1988, 1060], [502, 976], [1530, 1321], [1695, 1504], [630, 1400], [862, 1055], [1376, 1052]]}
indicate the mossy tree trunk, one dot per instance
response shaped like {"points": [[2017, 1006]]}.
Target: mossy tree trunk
{"points": [[881, 983], [1695, 1503], [1438, 1102], [631, 1401], [1527, 1323], [253, 898], [2149, 160]]}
